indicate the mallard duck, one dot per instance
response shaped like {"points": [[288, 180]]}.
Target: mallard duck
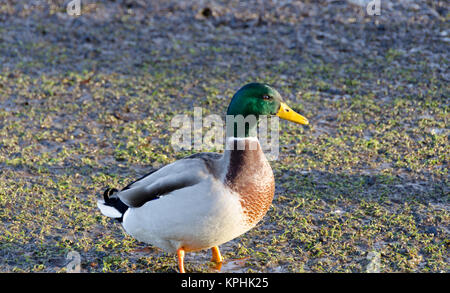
{"points": [[206, 199]]}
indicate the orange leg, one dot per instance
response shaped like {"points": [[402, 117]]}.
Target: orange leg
{"points": [[216, 256], [180, 253]]}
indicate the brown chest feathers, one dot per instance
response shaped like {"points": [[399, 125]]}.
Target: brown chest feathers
{"points": [[250, 175]]}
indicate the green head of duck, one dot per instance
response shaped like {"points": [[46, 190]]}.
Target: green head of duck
{"points": [[255, 100]]}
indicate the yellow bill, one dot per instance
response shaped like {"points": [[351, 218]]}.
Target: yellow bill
{"points": [[287, 113]]}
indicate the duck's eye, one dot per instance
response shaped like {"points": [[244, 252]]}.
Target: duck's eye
{"points": [[266, 97]]}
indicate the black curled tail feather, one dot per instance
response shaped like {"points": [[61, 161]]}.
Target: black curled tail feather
{"points": [[114, 201], [108, 192]]}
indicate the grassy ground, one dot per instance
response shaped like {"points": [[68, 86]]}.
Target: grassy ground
{"points": [[86, 103]]}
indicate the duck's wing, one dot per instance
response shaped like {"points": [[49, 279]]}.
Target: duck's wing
{"points": [[177, 175]]}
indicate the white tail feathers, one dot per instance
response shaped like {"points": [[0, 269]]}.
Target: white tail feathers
{"points": [[108, 211]]}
